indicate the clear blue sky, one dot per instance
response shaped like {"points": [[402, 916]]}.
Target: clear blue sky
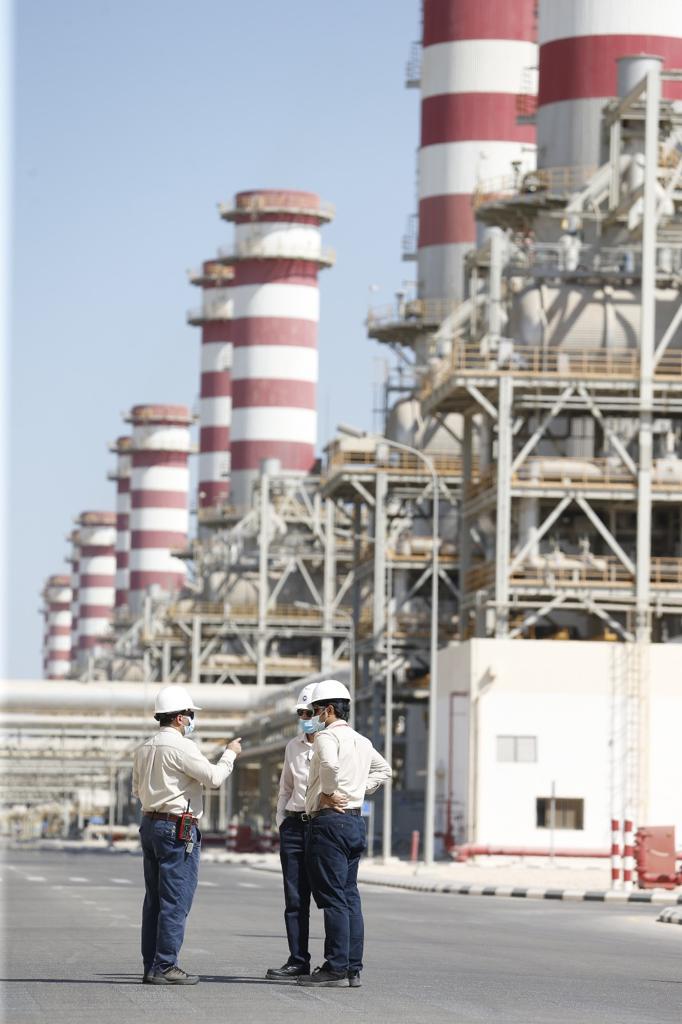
{"points": [[133, 118]]}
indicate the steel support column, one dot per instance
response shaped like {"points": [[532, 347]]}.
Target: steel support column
{"points": [[503, 518], [646, 356]]}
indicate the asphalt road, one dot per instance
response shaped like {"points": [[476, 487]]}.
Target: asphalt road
{"points": [[71, 954]]}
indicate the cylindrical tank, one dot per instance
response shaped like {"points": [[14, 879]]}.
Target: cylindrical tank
{"points": [[580, 43], [121, 475], [277, 256], [159, 515], [578, 317], [475, 58], [96, 583], [57, 615], [215, 402]]}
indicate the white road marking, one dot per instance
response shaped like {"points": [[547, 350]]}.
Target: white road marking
{"points": [[78, 878], [35, 878], [121, 881]]}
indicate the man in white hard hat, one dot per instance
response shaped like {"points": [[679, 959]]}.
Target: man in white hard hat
{"points": [[169, 774], [343, 769], [292, 832]]}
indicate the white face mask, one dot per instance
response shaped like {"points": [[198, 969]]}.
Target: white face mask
{"points": [[188, 729]]}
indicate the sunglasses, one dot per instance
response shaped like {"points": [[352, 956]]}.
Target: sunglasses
{"points": [[304, 713]]}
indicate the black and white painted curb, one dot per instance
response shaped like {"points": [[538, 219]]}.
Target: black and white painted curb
{"points": [[531, 893], [518, 892], [671, 915]]}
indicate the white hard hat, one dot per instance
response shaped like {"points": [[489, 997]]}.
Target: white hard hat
{"points": [[303, 702], [329, 689], [174, 698]]}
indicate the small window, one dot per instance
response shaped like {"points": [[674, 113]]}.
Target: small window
{"points": [[517, 748], [568, 813]]}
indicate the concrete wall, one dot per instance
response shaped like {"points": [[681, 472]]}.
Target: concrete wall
{"points": [[570, 696]]}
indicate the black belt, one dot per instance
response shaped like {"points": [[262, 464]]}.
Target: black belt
{"points": [[294, 814], [162, 816], [355, 811]]}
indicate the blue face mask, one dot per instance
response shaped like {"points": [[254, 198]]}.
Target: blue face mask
{"points": [[309, 725], [189, 729]]}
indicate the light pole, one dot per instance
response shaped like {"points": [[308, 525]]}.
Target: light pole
{"points": [[430, 795]]}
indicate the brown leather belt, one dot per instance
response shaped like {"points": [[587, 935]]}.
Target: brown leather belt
{"points": [[162, 816]]}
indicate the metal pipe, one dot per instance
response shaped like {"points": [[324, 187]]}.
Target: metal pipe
{"points": [[462, 853], [37, 695]]}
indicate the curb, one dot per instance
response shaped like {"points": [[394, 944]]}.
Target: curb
{"points": [[518, 892], [671, 915]]}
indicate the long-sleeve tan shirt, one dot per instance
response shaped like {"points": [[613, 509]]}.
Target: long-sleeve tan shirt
{"points": [[346, 762], [169, 770]]}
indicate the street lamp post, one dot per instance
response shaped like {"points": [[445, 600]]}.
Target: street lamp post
{"points": [[430, 795]]}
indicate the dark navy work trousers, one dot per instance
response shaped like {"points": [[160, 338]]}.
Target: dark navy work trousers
{"points": [[335, 844], [292, 840], [170, 880]]}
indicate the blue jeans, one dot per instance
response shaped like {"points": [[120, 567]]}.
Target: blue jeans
{"points": [[292, 836], [335, 844], [170, 880]]}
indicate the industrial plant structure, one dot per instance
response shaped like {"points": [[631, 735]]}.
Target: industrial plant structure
{"points": [[534, 417]]}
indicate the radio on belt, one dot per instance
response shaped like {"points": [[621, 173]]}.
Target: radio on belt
{"points": [[184, 832]]}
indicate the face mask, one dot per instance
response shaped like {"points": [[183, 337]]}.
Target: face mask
{"points": [[317, 725], [307, 725], [189, 728]]}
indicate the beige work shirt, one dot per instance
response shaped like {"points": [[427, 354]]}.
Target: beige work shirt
{"points": [[346, 762], [169, 770], [293, 781]]}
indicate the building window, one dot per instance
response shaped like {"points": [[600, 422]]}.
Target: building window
{"points": [[568, 813], [517, 748]]}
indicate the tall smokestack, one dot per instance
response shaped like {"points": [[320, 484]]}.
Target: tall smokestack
{"points": [[580, 42], [159, 516], [73, 559], [277, 256], [122, 447], [57, 613], [96, 583], [215, 402], [476, 58]]}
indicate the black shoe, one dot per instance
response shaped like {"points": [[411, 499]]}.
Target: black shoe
{"points": [[174, 976], [147, 978], [325, 978], [288, 971], [354, 979]]}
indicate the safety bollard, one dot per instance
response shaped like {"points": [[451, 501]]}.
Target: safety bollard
{"points": [[628, 854], [615, 853], [414, 850], [231, 838]]}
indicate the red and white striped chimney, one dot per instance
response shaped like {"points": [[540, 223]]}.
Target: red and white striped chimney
{"points": [[122, 447], [475, 59], [159, 516], [57, 613], [215, 401], [277, 256], [96, 584], [580, 42], [73, 559]]}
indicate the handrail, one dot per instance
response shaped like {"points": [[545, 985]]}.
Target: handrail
{"points": [[527, 361], [598, 570], [276, 202], [444, 463], [283, 249], [432, 311]]}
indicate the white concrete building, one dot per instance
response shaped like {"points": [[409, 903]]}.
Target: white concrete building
{"points": [[600, 721]]}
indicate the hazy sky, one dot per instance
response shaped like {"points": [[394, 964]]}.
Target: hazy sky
{"points": [[133, 119]]}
